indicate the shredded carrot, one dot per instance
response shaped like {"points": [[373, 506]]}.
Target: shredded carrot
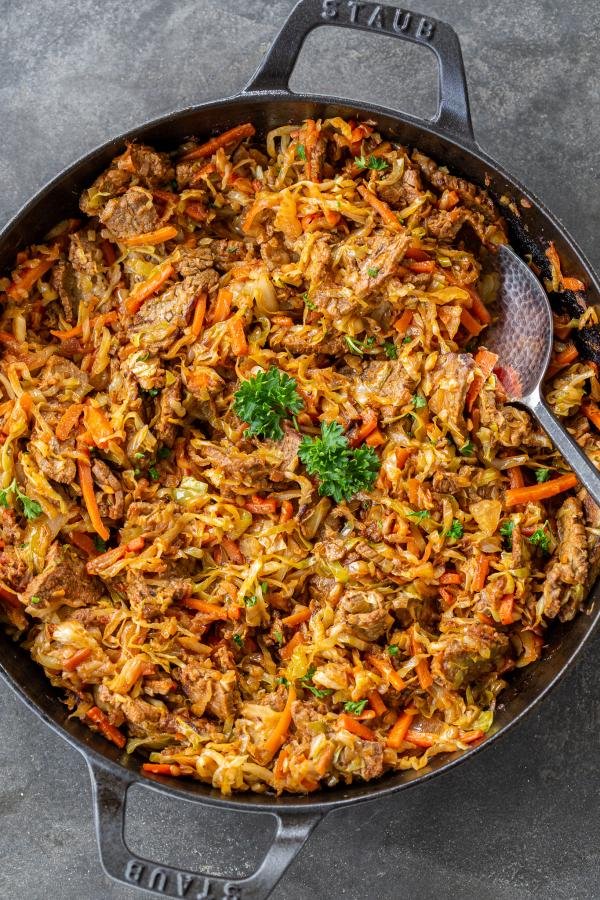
{"points": [[536, 492], [591, 410], [149, 287], [377, 703], [402, 454], [469, 737], [389, 217], [228, 137], [399, 730], [97, 425], [239, 344], [207, 169], [211, 609], [296, 618], [515, 477], [481, 572], [77, 658], [87, 489], [291, 645], [422, 667], [451, 578], [385, 668], [84, 542], [403, 323], [113, 555], [479, 308], [420, 738], [151, 237], [573, 284], [311, 136], [109, 731], [233, 551], [506, 608], [470, 323], [287, 511], [220, 311], [562, 360], [369, 424], [325, 760], [199, 313], [375, 439], [416, 253], [162, 769], [262, 506], [279, 733], [485, 362], [196, 211], [26, 278], [354, 727], [77, 330], [421, 265]]}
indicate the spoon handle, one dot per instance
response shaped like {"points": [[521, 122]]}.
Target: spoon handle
{"points": [[586, 471]]}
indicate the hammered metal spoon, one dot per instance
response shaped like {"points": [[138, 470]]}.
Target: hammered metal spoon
{"points": [[522, 339]]}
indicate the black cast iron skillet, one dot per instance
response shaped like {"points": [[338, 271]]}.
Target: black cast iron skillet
{"points": [[267, 102]]}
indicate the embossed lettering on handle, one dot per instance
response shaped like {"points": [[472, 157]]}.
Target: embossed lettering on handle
{"points": [[453, 115]]}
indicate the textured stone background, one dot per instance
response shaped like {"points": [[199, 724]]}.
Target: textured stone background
{"points": [[520, 821]]}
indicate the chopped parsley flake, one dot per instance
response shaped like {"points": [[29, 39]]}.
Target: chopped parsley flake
{"points": [[393, 649], [301, 152], [31, 508], [238, 640], [277, 635], [355, 706], [542, 475], [506, 530], [391, 350], [308, 302], [455, 531], [540, 539], [99, 544], [372, 271], [164, 453], [250, 601], [467, 449], [372, 162], [153, 473], [418, 515]]}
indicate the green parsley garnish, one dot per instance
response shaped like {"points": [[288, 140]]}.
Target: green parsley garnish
{"points": [[393, 649], [264, 587], [31, 508], [391, 350], [377, 165], [342, 471], [153, 473], [418, 515], [357, 346], [419, 401], [238, 640], [142, 357], [164, 453], [35, 600], [455, 531], [301, 152], [265, 400], [542, 475], [309, 304], [318, 692], [406, 339], [99, 544], [278, 637], [372, 271], [467, 449], [138, 455], [250, 601], [153, 392], [540, 539], [506, 530], [355, 706], [282, 680]]}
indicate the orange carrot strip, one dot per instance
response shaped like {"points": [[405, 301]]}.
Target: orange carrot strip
{"points": [[151, 237], [310, 141], [573, 284], [421, 265], [515, 477], [562, 360], [380, 207], [479, 308], [87, 489], [485, 361], [354, 727], [68, 421], [296, 618], [470, 323], [77, 658], [536, 492], [291, 645], [222, 307], [233, 551], [419, 738], [196, 211], [386, 669], [109, 731], [162, 769], [481, 572], [399, 730], [469, 737], [199, 313], [98, 425], [375, 439], [26, 278], [591, 410], [145, 290], [287, 511], [207, 169], [7, 338], [239, 344], [77, 330], [505, 609], [279, 733], [84, 542], [228, 137], [423, 674], [211, 609], [416, 253], [94, 566], [403, 323], [402, 454], [262, 506], [377, 703], [451, 578], [369, 424]]}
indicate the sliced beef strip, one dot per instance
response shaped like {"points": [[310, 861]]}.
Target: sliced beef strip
{"points": [[568, 572], [445, 224], [385, 385], [14, 572], [450, 381], [131, 214], [150, 166], [364, 614], [385, 253], [63, 577], [287, 449], [161, 318], [193, 260], [227, 252], [111, 183], [403, 192], [53, 461], [470, 194], [467, 656], [169, 412], [111, 501], [63, 281], [509, 426], [304, 339], [210, 691], [155, 595], [233, 463]]}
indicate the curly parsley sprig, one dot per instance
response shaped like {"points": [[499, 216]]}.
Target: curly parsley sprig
{"points": [[265, 400], [342, 471], [31, 508]]}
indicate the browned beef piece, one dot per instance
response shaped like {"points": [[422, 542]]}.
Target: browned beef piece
{"points": [[156, 594], [169, 412], [304, 339], [317, 158], [131, 214], [445, 224], [111, 501], [110, 184], [287, 449], [470, 195], [227, 252], [403, 192], [161, 318], [568, 572], [10, 531], [317, 270], [13, 570], [63, 577], [364, 614], [385, 254], [274, 252], [385, 385], [468, 655], [93, 616], [209, 690], [592, 518], [85, 255], [185, 172], [225, 699], [158, 685], [151, 167], [64, 282], [53, 461], [193, 260], [232, 462], [450, 382], [371, 759]]}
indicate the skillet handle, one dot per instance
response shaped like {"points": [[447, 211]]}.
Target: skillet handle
{"points": [[110, 794], [453, 116]]}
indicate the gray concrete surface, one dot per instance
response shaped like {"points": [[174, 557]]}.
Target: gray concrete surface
{"points": [[523, 819]]}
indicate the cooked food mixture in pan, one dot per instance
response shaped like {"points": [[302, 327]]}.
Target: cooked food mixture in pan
{"points": [[266, 516]]}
